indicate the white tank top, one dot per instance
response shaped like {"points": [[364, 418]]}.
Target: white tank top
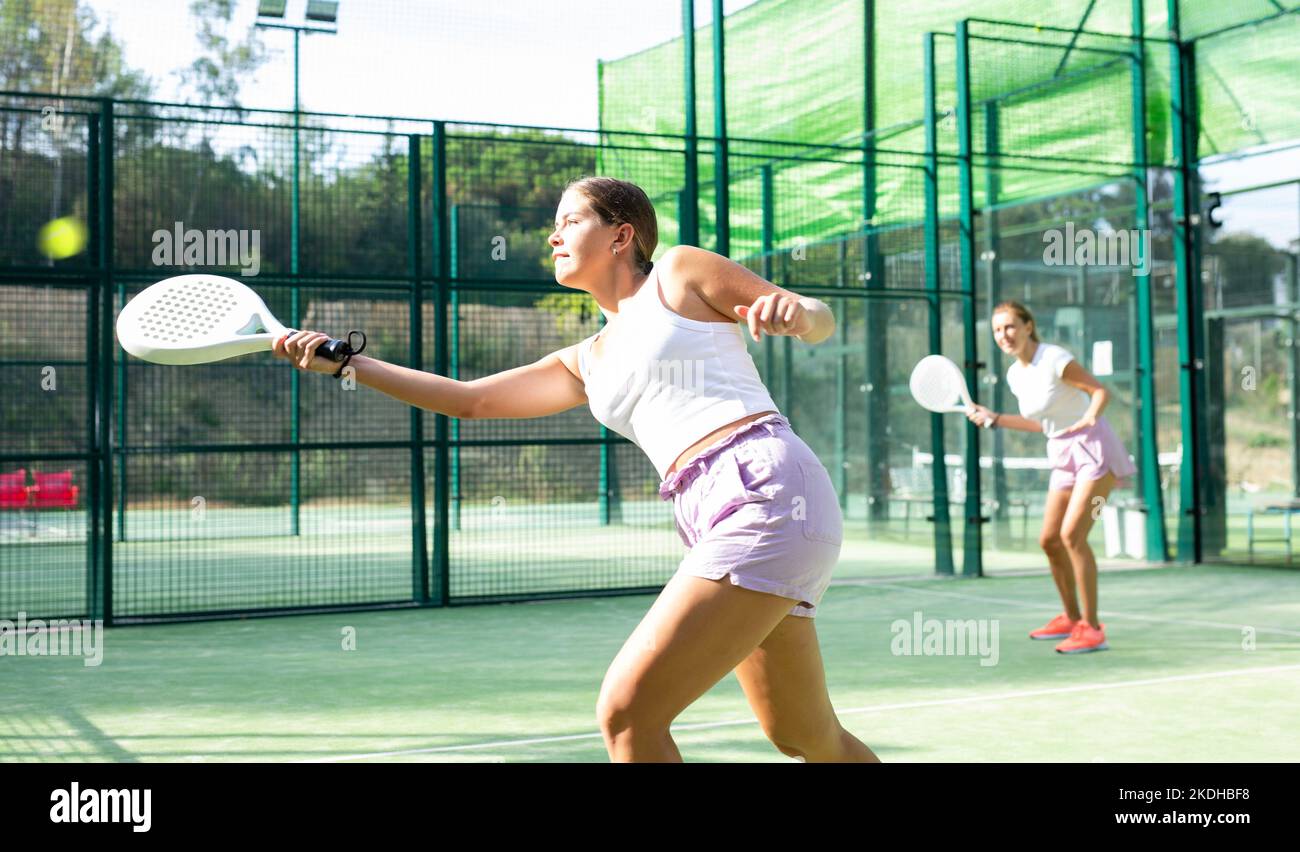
{"points": [[666, 381], [1042, 395]]}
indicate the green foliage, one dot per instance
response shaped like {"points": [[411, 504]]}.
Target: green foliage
{"points": [[1245, 267], [522, 167], [214, 77], [51, 47], [56, 46], [1261, 440], [566, 311]]}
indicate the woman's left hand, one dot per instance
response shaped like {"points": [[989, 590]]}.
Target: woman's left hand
{"points": [[776, 314], [1084, 422]]}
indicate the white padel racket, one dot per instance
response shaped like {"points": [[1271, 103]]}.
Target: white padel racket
{"points": [[938, 385], [195, 319]]}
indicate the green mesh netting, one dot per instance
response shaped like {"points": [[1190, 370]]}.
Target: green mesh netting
{"points": [[1051, 92]]}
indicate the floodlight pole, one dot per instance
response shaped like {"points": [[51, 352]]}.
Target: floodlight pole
{"points": [[297, 126], [295, 385]]}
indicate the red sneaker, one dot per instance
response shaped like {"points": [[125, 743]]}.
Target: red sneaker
{"points": [[1058, 628], [1084, 638]]}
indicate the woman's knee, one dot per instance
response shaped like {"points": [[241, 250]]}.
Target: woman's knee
{"points": [[808, 731], [1075, 537], [1051, 541], [808, 742], [620, 710]]}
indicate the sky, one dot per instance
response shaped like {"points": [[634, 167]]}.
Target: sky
{"points": [[510, 62], [506, 61], [1273, 213]]}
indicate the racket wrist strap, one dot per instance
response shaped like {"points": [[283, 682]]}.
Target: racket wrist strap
{"points": [[351, 350]]}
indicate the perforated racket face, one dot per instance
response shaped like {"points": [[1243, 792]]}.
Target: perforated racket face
{"points": [[188, 312], [193, 319], [937, 384]]}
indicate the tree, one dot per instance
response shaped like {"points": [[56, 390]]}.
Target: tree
{"points": [[223, 65], [1244, 268], [52, 48], [55, 47]]}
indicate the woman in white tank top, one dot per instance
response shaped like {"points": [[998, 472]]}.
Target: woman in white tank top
{"points": [[1062, 400], [671, 372]]}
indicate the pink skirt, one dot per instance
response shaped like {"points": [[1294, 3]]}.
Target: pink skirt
{"points": [[1089, 454]]}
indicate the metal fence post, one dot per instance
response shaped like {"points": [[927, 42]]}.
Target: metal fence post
{"points": [[1149, 452], [993, 236], [689, 205], [721, 172], [1293, 328], [95, 220], [972, 539], [101, 367], [942, 525], [442, 284], [453, 248], [415, 357], [875, 311], [1191, 357]]}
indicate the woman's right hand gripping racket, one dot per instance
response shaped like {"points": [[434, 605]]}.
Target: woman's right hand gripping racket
{"points": [[939, 386]]}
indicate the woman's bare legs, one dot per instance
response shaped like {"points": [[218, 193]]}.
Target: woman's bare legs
{"points": [[1058, 555], [785, 682], [1086, 501], [696, 632]]}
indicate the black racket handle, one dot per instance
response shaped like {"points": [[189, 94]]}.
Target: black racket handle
{"points": [[334, 350], [337, 350]]}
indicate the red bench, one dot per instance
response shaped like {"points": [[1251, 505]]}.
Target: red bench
{"points": [[54, 490], [13, 490]]}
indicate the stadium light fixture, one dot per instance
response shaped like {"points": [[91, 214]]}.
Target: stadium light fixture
{"points": [[271, 8], [325, 11]]}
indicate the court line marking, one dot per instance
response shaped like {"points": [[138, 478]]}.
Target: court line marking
{"points": [[1108, 613], [879, 708]]}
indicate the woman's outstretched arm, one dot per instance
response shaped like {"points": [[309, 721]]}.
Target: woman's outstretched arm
{"points": [[547, 386]]}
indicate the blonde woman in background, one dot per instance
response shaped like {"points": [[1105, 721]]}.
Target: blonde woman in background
{"points": [[1062, 400]]}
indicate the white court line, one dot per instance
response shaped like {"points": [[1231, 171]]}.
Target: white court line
{"points": [[879, 708], [1108, 613]]}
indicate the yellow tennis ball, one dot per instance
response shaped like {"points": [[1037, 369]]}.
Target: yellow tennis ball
{"points": [[62, 238]]}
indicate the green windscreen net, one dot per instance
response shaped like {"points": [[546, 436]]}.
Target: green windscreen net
{"points": [[1054, 87]]}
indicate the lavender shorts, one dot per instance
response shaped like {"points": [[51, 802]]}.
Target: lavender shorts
{"points": [[759, 507], [1088, 454]]}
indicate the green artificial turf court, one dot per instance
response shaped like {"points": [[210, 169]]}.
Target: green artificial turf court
{"points": [[1203, 666]]}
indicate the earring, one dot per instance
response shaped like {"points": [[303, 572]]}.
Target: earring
{"points": [[615, 251]]}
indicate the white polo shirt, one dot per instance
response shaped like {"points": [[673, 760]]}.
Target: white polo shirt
{"points": [[1042, 394]]}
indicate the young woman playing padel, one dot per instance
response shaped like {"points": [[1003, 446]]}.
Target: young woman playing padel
{"points": [[670, 371]]}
